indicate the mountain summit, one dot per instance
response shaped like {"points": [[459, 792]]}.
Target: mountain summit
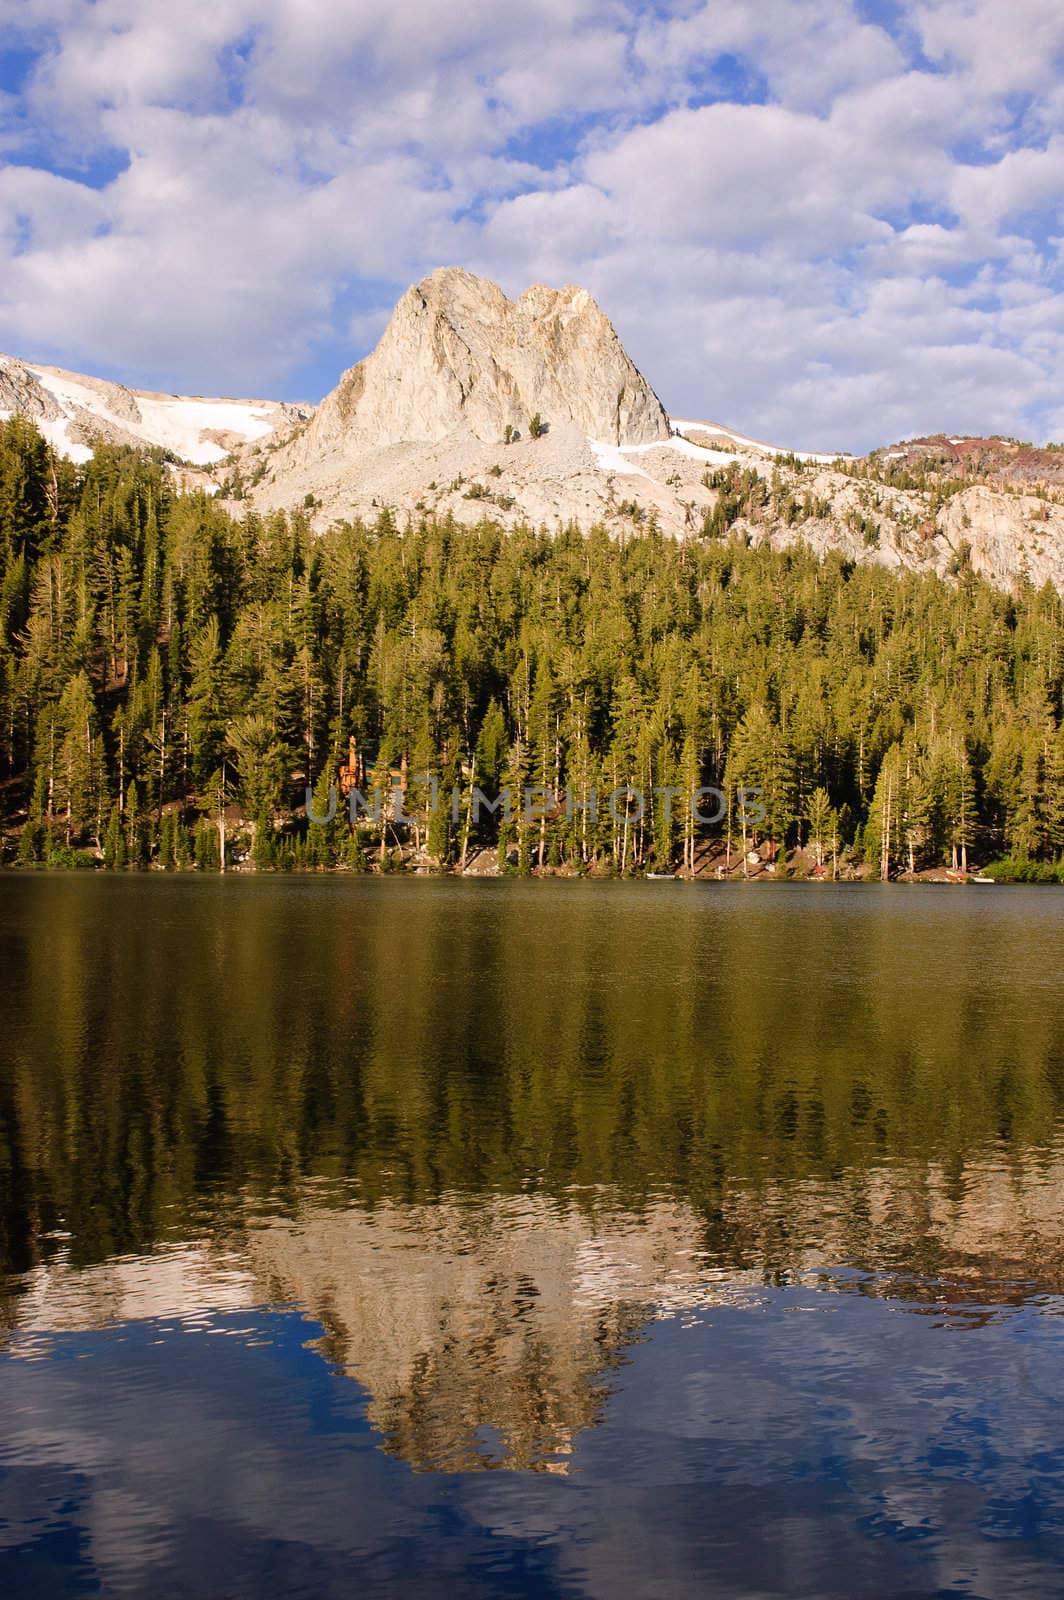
{"points": [[437, 422], [459, 357]]}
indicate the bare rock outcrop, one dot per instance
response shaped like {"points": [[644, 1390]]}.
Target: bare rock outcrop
{"points": [[21, 391], [459, 357]]}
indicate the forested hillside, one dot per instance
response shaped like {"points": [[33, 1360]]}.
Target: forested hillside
{"points": [[162, 665]]}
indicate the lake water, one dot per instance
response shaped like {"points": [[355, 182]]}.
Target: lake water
{"points": [[440, 1238]]}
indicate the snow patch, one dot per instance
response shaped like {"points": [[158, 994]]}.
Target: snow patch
{"points": [[683, 447], [170, 422], [679, 424], [55, 431], [618, 457], [68, 392], [179, 425], [612, 458]]}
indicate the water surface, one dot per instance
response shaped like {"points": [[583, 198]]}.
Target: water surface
{"points": [[436, 1237]]}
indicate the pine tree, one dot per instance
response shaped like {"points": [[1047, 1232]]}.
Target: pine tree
{"points": [[264, 853], [884, 834], [206, 703], [323, 838], [137, 843], [114, 844], [821, 819], [79, 766]]}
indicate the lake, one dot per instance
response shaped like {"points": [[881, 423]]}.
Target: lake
{"points": [[444, 1238]]}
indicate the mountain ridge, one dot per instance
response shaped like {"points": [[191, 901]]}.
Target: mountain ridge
{"points": [[437, 420], [73, 409]]}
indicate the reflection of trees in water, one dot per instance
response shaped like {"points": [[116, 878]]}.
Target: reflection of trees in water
{"points": [[793, 1079], [168, 1042], [484, 1328]]}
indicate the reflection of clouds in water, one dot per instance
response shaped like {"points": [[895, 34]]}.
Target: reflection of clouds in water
{"points": [[486, 1328], [145, 1440], [186, 1284], [731, 1455], [482, 1332], [859, 1458]]}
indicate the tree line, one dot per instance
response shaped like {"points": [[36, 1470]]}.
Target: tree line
{"points": [[172, 679]]}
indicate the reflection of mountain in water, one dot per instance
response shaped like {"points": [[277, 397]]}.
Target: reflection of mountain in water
{"points": [[482, 1132], [484, 1326], [975, 1228], [481, 1327]]}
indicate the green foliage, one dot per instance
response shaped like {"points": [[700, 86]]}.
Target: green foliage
{"points": [[323, 838], [1011, 870], [62, 858], [159, 659], [114, 844], [207, 847], [354, 854]]}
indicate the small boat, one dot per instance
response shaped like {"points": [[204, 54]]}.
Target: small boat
{"points": [[661, 875], [980, 877]]}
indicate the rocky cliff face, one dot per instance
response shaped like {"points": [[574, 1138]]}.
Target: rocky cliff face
{"points": [[21, 391], [458, 357], [74, 412], [419, 427]]}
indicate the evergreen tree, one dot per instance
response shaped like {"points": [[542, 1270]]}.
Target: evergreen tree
{"points": [[114, 844], [149, 640]]}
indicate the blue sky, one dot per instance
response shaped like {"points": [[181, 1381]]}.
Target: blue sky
{"points": [[829, 223]]}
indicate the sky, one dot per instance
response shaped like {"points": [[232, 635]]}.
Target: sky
{"points": [[829, 224]]}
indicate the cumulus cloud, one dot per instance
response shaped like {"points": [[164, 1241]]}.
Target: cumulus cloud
{"points": [[1001, 49], [802, 222]]}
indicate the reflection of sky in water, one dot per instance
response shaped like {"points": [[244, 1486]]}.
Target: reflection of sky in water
{"points": [[806, 1443], [486, 1329], [727, 1225]]}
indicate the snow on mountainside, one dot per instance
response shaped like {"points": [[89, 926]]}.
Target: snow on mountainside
{"points": [[713, 430], [72, 410], [439, 421]]}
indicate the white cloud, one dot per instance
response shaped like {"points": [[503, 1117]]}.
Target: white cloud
{"points": [[743, 174], [866, 242], [807, 53], [1022, 181], [554, 230], [1000, 49]]}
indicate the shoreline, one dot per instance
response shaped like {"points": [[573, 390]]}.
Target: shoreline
{"points": [[405, 874]]}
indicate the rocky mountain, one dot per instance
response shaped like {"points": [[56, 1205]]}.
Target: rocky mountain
{"points": [[1007, 462], [437, 420], [459, 358], [74, 411]]}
